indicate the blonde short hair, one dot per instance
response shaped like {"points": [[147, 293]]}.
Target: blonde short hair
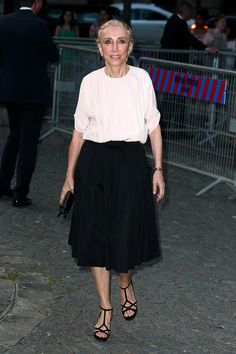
{"points": [[115, 23]]}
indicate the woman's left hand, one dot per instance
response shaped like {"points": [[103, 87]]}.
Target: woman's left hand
{"points": [[158, 185]]}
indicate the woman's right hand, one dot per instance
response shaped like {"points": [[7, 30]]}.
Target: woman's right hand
{"points": [[67, 186]]}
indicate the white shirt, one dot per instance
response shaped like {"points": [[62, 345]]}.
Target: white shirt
{"points": [[215, 38], [116, 109]]}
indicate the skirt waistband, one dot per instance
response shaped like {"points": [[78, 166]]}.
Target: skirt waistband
{"points": [[114, 143]]}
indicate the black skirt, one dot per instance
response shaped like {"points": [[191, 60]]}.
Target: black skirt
{"points": [[113, 222]]}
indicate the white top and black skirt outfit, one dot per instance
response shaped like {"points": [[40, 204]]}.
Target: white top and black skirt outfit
{"points": [[113, 222]]}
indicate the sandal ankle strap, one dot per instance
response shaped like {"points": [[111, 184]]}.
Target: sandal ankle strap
{"points": [[102, 308], [126, 287]]}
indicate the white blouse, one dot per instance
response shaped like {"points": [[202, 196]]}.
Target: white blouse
{"points": [[116, 109]]}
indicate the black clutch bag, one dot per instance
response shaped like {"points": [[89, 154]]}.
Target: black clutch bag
{"points": [[66, 204]]}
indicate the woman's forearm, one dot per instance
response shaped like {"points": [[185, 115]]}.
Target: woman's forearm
{"points": [[156, 145], [73, 153]]}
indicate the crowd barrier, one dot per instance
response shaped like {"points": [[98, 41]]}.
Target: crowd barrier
{"points": [[51, 76], [222, 60], [76, 41], [198, 107], [75, 63]]}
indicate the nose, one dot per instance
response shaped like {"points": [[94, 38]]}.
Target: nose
{"points": [[115, 46]]}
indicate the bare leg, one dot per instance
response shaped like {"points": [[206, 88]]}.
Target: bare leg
{"points": [[102, 282], [124, 280]]}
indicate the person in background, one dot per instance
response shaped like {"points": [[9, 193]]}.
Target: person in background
{"points": [[177, 34], [113, 224], [231, 40], [67, 26], [217, 36], [199, 28], [104, 16], [26, 47]]}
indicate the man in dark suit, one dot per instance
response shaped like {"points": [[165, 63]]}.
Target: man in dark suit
{"points": [[176, 33], [26, 47]]}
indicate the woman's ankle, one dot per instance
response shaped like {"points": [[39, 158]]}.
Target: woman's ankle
{"points": [[124, 280], [105, 305]]}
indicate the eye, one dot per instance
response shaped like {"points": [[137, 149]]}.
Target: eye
{"points": [[123, 41], [107, 41]]}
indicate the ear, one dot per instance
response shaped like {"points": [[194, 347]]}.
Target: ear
{"points": [[131, 45], [100, 49]]}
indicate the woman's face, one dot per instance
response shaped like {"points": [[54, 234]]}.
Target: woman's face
{"points": [[103, 16], [221, 24], [115, 45], [68, 16]]}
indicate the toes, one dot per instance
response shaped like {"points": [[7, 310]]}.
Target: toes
{"points": [[129, 313]]}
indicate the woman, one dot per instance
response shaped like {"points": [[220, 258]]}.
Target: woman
{"points": [[67, 25], [217, 37], [104, 16], [113, 224]]}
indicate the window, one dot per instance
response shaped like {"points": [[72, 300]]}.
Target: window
{"points": [[88, 17], [135, 14], [151, 15]]}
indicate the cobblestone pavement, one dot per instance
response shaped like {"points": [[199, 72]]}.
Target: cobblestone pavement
{"points": [[187, 302]]}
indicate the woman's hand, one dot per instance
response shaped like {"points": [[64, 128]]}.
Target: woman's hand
{"points": [[158, 185], [73, 154], [67, 186]]}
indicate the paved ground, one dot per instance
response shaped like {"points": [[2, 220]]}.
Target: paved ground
{"points": [[187, 303]]}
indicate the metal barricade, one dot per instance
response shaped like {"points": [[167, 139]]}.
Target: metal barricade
{"points": [[76, 41], [51, 77], [50, 119], [196, 57], [48, 115], [75, 63], [222, 60], [226, 60], [199, 133]]}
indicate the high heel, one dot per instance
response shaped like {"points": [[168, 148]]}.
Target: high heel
{"points": [[103, 328], [128, 305]]}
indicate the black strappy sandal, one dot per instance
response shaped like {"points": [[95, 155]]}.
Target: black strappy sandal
{"points": [[103, 328], [128, 305]]}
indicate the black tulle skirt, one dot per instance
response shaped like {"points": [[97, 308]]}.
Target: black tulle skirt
{"points": [[113, 222]]}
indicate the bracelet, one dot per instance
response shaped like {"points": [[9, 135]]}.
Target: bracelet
{"points": [[157, 169]]}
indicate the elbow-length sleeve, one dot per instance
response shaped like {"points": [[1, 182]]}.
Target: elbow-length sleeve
{"points": [[152, 116], [81, 115]]}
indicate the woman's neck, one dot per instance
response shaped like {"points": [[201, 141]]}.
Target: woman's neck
{"points": [[67, 27], [116, 71]]}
